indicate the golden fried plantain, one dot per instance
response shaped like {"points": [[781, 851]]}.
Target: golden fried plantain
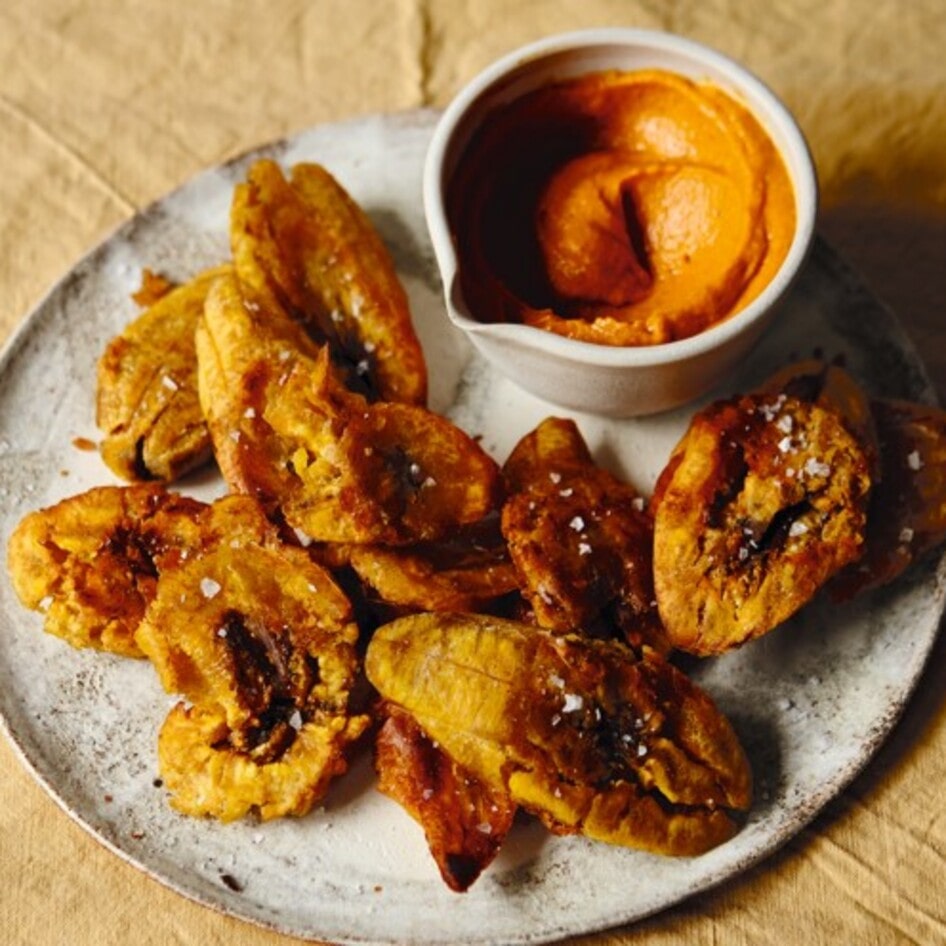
{"points": [[468, 571], [584, 733], [146, 398], [244, 352], [340, 469], [465, 820], [906, 517], [208, 777], [262, 641], [581, 539], [91, 562], [555, 446], [906, 446], [832, 387], [304, 244], [762, 501], [385, 472]]}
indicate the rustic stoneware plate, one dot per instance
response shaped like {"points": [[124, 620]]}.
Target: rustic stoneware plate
{"points": [[811, 701]]}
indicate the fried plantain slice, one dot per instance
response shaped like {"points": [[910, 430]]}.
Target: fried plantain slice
{"points": [[385, 473], [262, 641], [340, 469], [304, 244], [208, 777], [906, 517], [906, 445], [465, 820], [91, 562], [762, 501], [468, 571], [584, 733], [581, 539], [556, 445], [245, 351], [832, 387], [146, 397]]}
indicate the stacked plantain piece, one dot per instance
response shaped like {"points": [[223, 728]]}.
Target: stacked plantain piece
{"points": [[506, 636]]}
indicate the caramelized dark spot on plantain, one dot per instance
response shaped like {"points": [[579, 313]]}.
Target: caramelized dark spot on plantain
{"points": [[135, 548], [142, 473], [461, 870], [730, 478], [275, 733], [356, 367], [777, 531], [806, 387], [259, 662]]}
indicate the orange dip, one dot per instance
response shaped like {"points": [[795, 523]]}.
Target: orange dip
{"points": [[623, 208]]}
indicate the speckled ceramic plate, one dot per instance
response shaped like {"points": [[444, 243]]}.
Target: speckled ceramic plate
{"points": [[812, 701]]}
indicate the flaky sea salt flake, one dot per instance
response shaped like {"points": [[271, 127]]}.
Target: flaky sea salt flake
{"points": [[573, 703]]}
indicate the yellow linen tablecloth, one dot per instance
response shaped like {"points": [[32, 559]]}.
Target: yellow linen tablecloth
{"points": [[105, 107]]}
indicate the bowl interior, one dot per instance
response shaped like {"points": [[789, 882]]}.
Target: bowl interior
{"points": [[573, 54]]}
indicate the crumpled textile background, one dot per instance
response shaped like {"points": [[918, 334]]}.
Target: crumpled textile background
{"points": [[105, 107]]}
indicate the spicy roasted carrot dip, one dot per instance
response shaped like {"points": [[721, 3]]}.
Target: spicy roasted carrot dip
{"points": [[623, 208]]}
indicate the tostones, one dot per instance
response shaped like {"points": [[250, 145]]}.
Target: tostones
{"points": [[906, 517], [831, 386], [465, 819], [338, 467], [581, 539], [91, 562], [303, 244], [761, 503], [146, 397], [468, 571], [586, 734], [261, 641]]}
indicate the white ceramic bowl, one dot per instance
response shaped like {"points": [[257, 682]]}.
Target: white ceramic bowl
{"points": [[603, 379]]}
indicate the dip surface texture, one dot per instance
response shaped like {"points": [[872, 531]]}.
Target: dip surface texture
{"points": [[622, 208]]}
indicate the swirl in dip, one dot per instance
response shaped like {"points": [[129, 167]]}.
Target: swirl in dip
{"points": [[623, 208]]}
